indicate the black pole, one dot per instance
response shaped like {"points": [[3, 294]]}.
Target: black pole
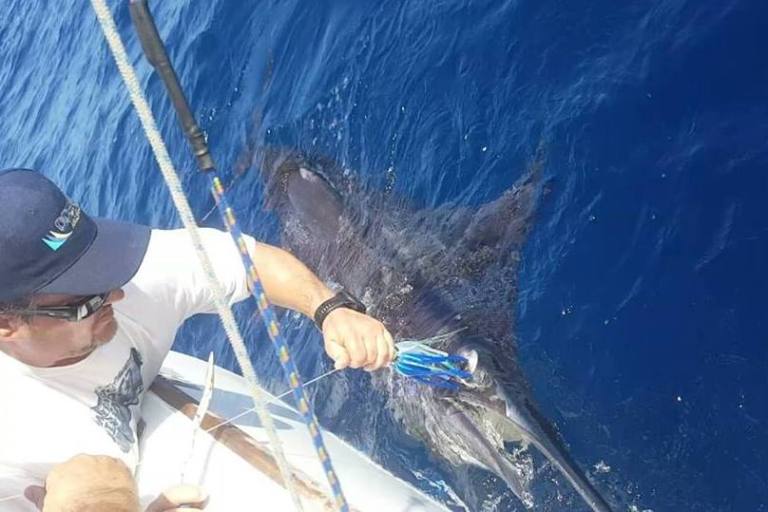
{"points": [[154, 49]]}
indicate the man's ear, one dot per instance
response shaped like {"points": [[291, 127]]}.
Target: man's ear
{"points": [[8, 326]]}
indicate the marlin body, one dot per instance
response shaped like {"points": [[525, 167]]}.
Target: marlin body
{"points": [[424, 273]]}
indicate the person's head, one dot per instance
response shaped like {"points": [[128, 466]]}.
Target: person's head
{"points": [[60, 271], [96, 483], [87, 483], [57, 329]]}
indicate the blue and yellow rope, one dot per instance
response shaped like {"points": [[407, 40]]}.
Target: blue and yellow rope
{"points": [[175, 188], [270, 320]]}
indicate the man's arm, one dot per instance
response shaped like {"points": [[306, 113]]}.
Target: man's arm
{"points": [[287, 281], [351, 338]]}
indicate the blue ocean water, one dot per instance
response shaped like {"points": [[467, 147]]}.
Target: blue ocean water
{"points": [[640, 318]]}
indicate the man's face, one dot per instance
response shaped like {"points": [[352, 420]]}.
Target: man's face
{"points": [[43, 341]]}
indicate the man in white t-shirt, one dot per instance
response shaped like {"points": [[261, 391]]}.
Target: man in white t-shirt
{"points": [[88, 311]]}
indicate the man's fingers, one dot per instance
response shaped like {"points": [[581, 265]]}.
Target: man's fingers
{"points": [[382, 352], [358, 353], [188, 497], [338, 353], [342, 361], [391, 352]]}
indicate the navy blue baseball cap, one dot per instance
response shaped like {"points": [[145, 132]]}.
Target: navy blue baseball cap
{"points": [[49, 245]]}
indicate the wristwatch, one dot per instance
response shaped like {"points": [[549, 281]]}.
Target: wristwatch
{"points": [[343, 299]]}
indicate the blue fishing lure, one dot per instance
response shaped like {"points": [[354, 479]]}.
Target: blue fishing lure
{"points": [[430, 366]]}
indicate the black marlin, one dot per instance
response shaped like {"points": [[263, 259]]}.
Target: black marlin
{"points": [[425, 273]]}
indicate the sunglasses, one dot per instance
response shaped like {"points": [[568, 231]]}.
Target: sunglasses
{"points": [[72, 312]]}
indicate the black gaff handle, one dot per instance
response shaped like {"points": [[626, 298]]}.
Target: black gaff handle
{"points": [[154, 50]]}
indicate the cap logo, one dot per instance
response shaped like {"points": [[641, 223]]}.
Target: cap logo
{"points": [[63, 227]]}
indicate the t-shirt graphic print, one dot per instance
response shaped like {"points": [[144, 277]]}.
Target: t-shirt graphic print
{"points": [[114, 404]]}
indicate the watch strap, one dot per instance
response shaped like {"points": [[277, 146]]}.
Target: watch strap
{"points": [[343, 299]]}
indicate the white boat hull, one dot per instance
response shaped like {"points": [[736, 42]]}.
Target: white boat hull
{"points": [[234, 464]]}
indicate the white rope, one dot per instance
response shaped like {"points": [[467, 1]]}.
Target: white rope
{"points": [[185, 212], [270, 401]]}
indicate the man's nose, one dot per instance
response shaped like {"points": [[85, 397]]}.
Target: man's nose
{"points": [[115, 296]]}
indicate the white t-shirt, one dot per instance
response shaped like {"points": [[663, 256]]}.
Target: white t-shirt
{"points": [[48, 415]]}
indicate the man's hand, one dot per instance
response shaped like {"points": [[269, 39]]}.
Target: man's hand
{"points": [[357, 340], [97, 482], [188, 498], [87, 482]]}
